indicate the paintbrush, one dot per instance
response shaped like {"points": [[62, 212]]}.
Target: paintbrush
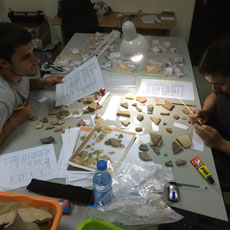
{"points": [[191, 112]]}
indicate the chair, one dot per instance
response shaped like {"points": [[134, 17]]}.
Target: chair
{"points": [[78, 16]]}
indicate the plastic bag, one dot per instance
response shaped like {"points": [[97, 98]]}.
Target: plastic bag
{"points": [[135, 199]]}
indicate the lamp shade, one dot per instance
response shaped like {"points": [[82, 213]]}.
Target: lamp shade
{"points": [[134, 46]]}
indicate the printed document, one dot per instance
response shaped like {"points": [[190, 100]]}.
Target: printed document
{"points": [[81, 82], [166, 89], [18, 168]]}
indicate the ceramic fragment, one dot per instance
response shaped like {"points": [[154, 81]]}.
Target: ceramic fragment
{"points": [[47, 140], [141, 99], [143, 147], [184, 140], [169, 163], [176, 148], [144, 156], [180, 162], [123, 113]]}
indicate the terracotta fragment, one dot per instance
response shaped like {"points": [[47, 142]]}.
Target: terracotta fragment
{"points": [[164, 111], [116, 143], [81, 123], [92, 106], [168, 105], [125, 105], [125, 122], [176, 117], [184, 140], [77, 112], [53, 112], [138, 108], [138, 129], [130, 97], [143, 147], [169, 130], [47, 140], [134, 104], [88, 110], [141, 99], [158, 102], [140, 117], [185, 110], [156, 139], [152, 68], [180, 162], [55, 122], [156, 120], [44, 120], [50, 126], [63, 114], [164, 123], [144, 156], [169, 163], [150, 108], [176, 148], [39, 125], [123, 113], [120, 136], [34, 118], [156, 150]]}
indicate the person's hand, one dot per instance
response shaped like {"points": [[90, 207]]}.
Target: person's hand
{"points": [[201, 114], [53, 80], [210, 136], [23, 114]]}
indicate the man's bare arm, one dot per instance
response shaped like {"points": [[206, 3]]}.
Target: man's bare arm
{"points": [[17, 118]]}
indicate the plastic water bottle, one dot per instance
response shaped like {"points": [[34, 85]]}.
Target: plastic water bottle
{"points": [[102, 184]]}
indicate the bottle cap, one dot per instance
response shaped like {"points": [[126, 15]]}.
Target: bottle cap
{"points": [[102, 165]]}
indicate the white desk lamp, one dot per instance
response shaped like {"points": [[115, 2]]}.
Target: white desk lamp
{"points": [[134, 46]]}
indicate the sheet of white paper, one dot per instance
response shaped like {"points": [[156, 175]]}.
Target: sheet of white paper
{"points": [[18, 168], [68, 140], [179, 125], [111, 110], [81, 82], [166, 89], [119, 82], [197, 142], [43, 99], [145, 138], [155, 127], [150, 19]]}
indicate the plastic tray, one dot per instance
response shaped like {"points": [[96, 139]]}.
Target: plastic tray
{"points": [[35, 201], [96, 224]]}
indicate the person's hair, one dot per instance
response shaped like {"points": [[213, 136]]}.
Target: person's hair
{"points": [[12, 36], [216, 58]]}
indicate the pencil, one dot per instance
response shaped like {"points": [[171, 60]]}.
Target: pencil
{"points": [[191, 112], [20, 107], [178, 103]]}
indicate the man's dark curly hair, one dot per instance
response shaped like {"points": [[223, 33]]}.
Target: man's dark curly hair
{"points": [[12, 36], [216, 58]]}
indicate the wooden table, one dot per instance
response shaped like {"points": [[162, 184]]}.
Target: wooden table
{"points": [[114, 21]]}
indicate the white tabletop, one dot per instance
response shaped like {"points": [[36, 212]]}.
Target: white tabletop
{"points": [[207, 202]]}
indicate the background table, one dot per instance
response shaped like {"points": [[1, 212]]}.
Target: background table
{"points": [[113, 21], [206, 202]]}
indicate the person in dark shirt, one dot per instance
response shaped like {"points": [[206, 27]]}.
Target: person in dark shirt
{"points": [[215, 113]]}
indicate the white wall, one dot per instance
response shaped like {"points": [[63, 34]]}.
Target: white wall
{"points": [[183, 9]]}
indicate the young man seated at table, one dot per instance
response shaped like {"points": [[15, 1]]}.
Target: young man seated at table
{"points": [[215, 114], [17, 63]]}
